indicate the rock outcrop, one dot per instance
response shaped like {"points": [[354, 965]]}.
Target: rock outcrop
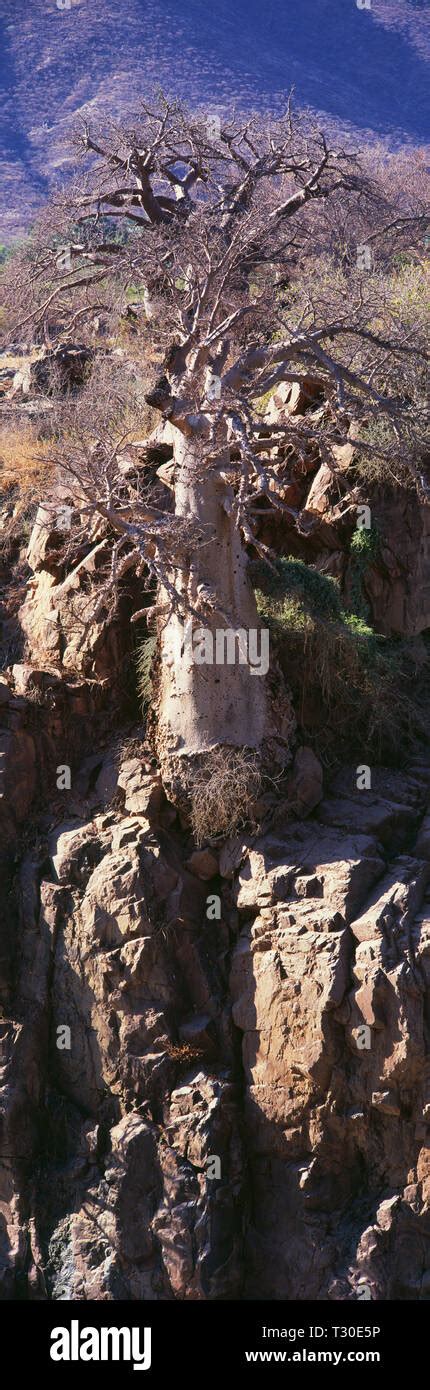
{"points": [[67, 364], [396, 579], [214, 1067], [214, 1059], [332, 1005]]}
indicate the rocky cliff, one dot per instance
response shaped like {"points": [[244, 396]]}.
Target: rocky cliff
{"points": [[214, 1061]]}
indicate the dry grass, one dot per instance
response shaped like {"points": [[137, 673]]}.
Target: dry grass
{"points": [[221, 790], [16, 360], [23, 460], [184, 1052], [350, 689]]}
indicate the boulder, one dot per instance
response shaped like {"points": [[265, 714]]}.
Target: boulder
{"points": [[61, 627], [50, 533], [294, 398], [66, 365], [345, 867], [318, 498], [75, 847], [143, 789], [395, 902]]}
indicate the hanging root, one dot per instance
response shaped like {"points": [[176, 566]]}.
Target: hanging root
{"points": [[221, 787]]}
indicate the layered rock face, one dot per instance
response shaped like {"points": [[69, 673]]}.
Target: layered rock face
{"points": [[214, 1066], [330, 983], [396, 581], [398, 586], [121, 1146]]}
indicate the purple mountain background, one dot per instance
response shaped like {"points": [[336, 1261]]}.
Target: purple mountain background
{"points": [[365, 70]]}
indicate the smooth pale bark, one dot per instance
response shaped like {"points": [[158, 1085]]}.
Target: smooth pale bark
{"points": [[203, 706]]}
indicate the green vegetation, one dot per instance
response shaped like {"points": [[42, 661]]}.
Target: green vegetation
{"points": [[364, 549], [135, 294], [347, 681], [145, 669], [290, 579], [262, 402]]}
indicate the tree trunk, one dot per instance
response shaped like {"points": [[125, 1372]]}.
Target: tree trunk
{"points": [[202, 706]]}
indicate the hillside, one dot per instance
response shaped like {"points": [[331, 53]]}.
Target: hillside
{"points": [[214, 728], [58, 63]]}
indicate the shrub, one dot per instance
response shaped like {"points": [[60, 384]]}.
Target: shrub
{"points": [[184, 1052], [145, 669], [363, 550], [288, 580], [220, 791], [347, 682], [378, 466]]}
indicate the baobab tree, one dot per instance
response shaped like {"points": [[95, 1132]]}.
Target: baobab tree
{"points": [[220, 225]]}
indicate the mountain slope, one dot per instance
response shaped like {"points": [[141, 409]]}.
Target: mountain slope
{"points": [[363, 69]]}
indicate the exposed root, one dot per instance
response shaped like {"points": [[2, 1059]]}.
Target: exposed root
{"points": [[220, 790]]}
